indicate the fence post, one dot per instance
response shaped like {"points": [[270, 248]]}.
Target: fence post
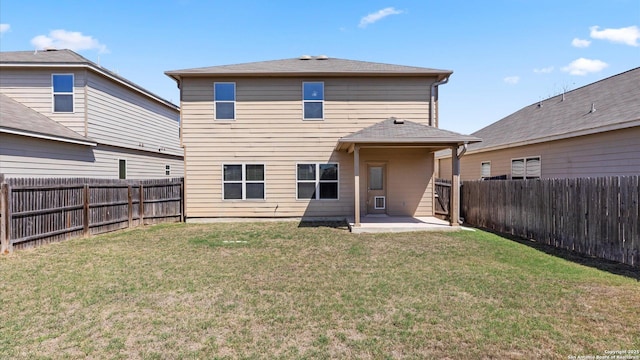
{"points": [[130, 209], [141, 204], [182, 200], [5, 219], [85, 211]]}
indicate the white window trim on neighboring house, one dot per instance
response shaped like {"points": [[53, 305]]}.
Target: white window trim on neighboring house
{"points": [[167, 170], [526, 173], [482, 174], [317, 181], [216, 102], [243, 180], [72, 93], [305, 101]]}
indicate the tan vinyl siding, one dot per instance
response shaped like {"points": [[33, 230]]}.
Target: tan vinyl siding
{"points": [[611, 153], [409, 188], [120, 117], [269, 130], [33, 88], [22, 156]]}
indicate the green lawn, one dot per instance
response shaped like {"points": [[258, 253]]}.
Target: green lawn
{"points": [[276, 290]]}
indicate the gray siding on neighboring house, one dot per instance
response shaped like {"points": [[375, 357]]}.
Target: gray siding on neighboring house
{"points": [[22, 156], [126, 119], [32, 87], [610, 153]]}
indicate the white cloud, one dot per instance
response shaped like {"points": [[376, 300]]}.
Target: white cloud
{"points": [[512, 80], [376, 16], [72, 40], [584, 66], [4, 28], [545, 70], [628, 35], [580, 43]]}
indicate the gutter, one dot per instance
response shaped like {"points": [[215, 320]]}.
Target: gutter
{"points": [[432, 101]]}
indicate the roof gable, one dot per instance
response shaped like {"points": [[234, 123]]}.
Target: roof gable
{"points": [[65, 57], [616, 101], [310, 66], [396, 131]]}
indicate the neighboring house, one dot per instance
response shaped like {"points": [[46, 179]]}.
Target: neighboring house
{"points": [[312, 137], [62, 115], [587, 132]]}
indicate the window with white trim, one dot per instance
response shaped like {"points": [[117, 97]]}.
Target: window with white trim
{"points": [[317, 181], [243, 182], [224, 95], [313, 100], [485, 169], [62, 85], [167, 170], [526, 168]]}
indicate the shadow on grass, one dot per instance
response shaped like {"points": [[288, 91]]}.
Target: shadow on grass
{"points": [[334, 224], [582, 259]]}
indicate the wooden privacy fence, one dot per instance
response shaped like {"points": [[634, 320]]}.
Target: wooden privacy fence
{"points": [[443, 196], [39, 211], [592, 216]]}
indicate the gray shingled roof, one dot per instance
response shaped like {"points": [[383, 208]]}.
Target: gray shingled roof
{"points": [[69, 57], [17, 118], [312, 66], [44, 57], [617, 105], [392, 131]]}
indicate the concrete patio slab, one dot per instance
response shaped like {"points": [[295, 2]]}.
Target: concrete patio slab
{"points": [[385, 223]]}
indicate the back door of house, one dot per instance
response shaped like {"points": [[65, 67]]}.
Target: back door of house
{"points": [[376, 189]]}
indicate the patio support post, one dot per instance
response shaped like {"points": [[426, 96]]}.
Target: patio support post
{"points": [[356, 184], [454, 204]]}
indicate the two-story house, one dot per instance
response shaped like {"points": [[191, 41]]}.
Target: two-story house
{"points": [[311, 137], [590, 131], [62, 115]]}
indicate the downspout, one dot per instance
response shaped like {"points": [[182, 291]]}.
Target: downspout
{"points": [[432, 102], [463, 151], [457, 171]]}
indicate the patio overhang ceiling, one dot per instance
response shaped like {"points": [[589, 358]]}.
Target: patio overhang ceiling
{"points": [[397, 133]]}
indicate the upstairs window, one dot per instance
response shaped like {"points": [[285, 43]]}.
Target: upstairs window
{"points": [[243, 182], [62, 92], [313, 100], [317, 181], [225, 100], [526, 168]]}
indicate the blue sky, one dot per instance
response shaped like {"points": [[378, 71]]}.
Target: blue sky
{"points": [[505, 54]]}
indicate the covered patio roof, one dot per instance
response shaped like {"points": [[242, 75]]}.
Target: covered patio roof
{"points": [[399, 133]]}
